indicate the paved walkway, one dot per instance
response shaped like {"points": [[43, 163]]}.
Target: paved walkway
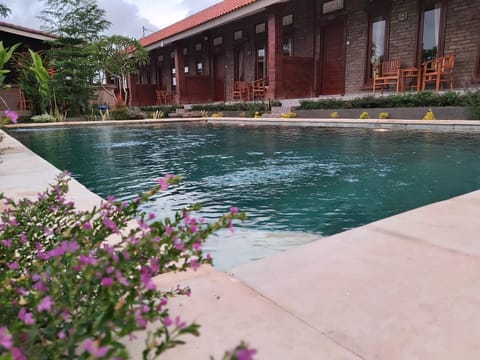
{"points": [[406, 287]]}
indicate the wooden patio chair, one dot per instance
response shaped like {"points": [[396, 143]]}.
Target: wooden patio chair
{"points": [[439, 71], [23, 104], [258, 89], [161, 97], [240, 91], [385, 74]]}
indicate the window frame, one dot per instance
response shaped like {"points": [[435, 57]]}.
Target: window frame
{"points": [[441, 37], [373, 13]]}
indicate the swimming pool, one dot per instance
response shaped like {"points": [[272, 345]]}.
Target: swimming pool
{"points": [[295, 183]]}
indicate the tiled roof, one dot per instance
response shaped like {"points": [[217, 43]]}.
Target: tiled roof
{"points": [[5, 26], [202, 17]]}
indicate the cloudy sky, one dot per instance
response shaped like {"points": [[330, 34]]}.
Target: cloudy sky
{"points": [[127, 16]]}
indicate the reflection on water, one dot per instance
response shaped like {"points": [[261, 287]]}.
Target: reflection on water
{"points": [[318, 181]]}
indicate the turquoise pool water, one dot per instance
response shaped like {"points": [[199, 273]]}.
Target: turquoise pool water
{"points": [[297, 182]]}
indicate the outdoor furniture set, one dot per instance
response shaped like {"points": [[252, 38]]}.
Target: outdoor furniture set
{"points": [[243, 91], [438, 72], [165, 97]]}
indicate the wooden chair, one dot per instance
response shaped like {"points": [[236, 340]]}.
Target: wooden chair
{"points": [[258, 89], [23, 104], [385, 74], [161, 97], [439, 71], [240, 91]]}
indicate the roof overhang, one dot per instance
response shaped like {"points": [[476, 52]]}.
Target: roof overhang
{"points": [[241, 13], [21, 31]]}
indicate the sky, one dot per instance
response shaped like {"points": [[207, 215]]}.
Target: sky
{"points": [[128, 17]]}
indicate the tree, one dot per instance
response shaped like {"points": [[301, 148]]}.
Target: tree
{"points": [[119, 56], [78, 23], [77, 19], [4, 10]]}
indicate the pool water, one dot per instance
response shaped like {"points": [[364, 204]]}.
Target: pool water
{"points": [[296, 184]]}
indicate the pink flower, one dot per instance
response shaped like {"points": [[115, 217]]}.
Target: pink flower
{"points": [[179, 324], [107, 282], [12, 115], [163, 183], [6, 339], [194, 264], [245, 354], [197, 246], [234, 210], [109, 223], [45, 304], [17, 354], [26, 317], [94, 349], [167, 321]]}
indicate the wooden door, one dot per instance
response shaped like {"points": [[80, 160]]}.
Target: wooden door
{"points": [[219, 77], [332, 63]]}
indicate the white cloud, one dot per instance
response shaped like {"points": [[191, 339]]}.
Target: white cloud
{"points": [[128, 17]]}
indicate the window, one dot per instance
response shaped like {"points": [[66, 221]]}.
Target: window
{"points": [[218, 41], [288, 46], [287, 20], [173, 72], [377, 43], [260, 28], [238, 35], [432, 24], [261, 63], [199, 67], [239, 64]]}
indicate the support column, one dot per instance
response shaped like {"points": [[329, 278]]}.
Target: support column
{"points": [[180, 74], [275, 53]]}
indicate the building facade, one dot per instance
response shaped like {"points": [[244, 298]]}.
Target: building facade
{"points": [[305, 48]]}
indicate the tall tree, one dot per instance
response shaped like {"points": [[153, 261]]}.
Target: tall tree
{"points": [[77, 19], [4, 10], [78, 23]]}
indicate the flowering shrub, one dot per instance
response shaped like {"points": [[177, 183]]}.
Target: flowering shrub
{"points": [[334, 115], [364, 115], [8, 117], [384, 115], [289, 115], [429, 115], [78, 284]]}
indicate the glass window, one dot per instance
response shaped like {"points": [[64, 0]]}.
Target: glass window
{"points": [[239, 65], [431, 31], [261, 68], [199, 67], [288, 46], [378, 32]]}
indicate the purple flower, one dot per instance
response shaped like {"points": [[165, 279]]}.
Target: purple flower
{"points": [[163, 184], [245, 353], [233, 210], [107, 282], [197, 246], [45, 304], [146, 279], [167, 321], [17, 354], [26, 317], [7, 243], [109, 223], [13, 266], [94, 349], [179, 324], [194, 264], [12, 115], [6, 339]]}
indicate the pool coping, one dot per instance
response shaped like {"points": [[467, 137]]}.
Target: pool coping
{"points": [[402, 287], [388, 124]]}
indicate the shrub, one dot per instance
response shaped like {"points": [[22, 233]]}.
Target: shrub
{"points": [[44, 118], [334, 115], [8, 117], [69, 290], [289, 115], [473, 102], [364, 115], [384, 115], [429, 115], [216, 115]]}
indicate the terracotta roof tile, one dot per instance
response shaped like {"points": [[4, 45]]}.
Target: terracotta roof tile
{"points": [[202, 17]]}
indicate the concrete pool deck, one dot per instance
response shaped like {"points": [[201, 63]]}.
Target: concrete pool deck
{"points": [[405, 287]]}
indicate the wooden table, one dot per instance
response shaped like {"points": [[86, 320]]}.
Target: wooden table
{"points": [[410, 73]]}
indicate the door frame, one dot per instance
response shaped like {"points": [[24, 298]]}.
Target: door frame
{"points": [[321, 44]]}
